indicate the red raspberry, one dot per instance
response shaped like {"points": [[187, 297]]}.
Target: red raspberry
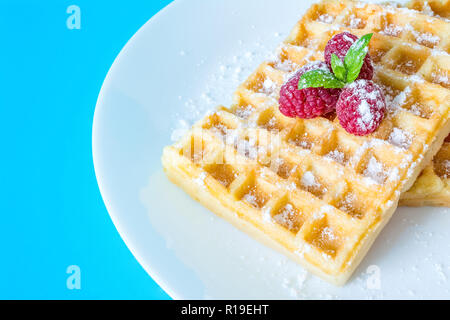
{"points": [[310, 102], [339, 45], [361, 107]]}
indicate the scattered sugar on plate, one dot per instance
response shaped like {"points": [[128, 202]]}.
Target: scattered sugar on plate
{"points": [[296, 284]]}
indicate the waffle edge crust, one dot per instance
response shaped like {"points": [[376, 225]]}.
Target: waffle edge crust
{"points": [[306, 187]]}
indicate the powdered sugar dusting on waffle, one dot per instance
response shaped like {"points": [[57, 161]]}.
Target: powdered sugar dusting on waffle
{"points": [[441, 78], [269, 87], [309, 180], [286, 217], [337, 156], [326, 18], [446, 166], [200, 180], [245, 112], [426, 38], [392, 30], [400, 138], [355, 22], [375, 171]]}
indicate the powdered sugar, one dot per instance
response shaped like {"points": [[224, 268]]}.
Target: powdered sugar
{"points": [[269, 87], [337, 156], [287, 217], [355, 23], [200, 180], [417, 110], [400, 138], [440, 78], [250, 198], [328, 234], [438, 52], [367, 107], [347, 204], [349, 39], [427, 9], [392, 30], [366, 114], [399, 100], [326, 18], [247, 148], [245, 112], [446, 167], [285, 66], [375, 171], [309, 180], [266, 215], [426, 38]]}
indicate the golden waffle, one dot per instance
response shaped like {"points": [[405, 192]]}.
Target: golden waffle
{"points": [[431, 188], [307, 187]]}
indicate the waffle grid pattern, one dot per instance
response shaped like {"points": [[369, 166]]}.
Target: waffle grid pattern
{"points": [[319, 192], [431, 7]]}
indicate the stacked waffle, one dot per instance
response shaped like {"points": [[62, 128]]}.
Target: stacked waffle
{"points": [[432, 187], [307, 187]]}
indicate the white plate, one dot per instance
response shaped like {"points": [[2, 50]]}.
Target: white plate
{"points": [[187, 56]]}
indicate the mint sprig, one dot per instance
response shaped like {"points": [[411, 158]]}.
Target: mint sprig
{"points": [[319, 79], [338, 68], [344, 72], [354, 59]]}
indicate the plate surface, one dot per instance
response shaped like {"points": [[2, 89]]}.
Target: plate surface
{"points": [[185, 60]]}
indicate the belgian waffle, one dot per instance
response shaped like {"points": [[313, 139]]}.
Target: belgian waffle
{"points": [[307, 187], [431, 188]]}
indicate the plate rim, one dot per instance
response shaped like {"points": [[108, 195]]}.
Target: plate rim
{"points": [[152, 272]]}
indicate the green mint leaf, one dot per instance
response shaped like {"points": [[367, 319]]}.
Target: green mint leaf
{"points": [[319, 79], [338, 67], [354, 59]]}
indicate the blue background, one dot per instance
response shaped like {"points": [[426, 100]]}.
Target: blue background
{"points": [[52, 214]]}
